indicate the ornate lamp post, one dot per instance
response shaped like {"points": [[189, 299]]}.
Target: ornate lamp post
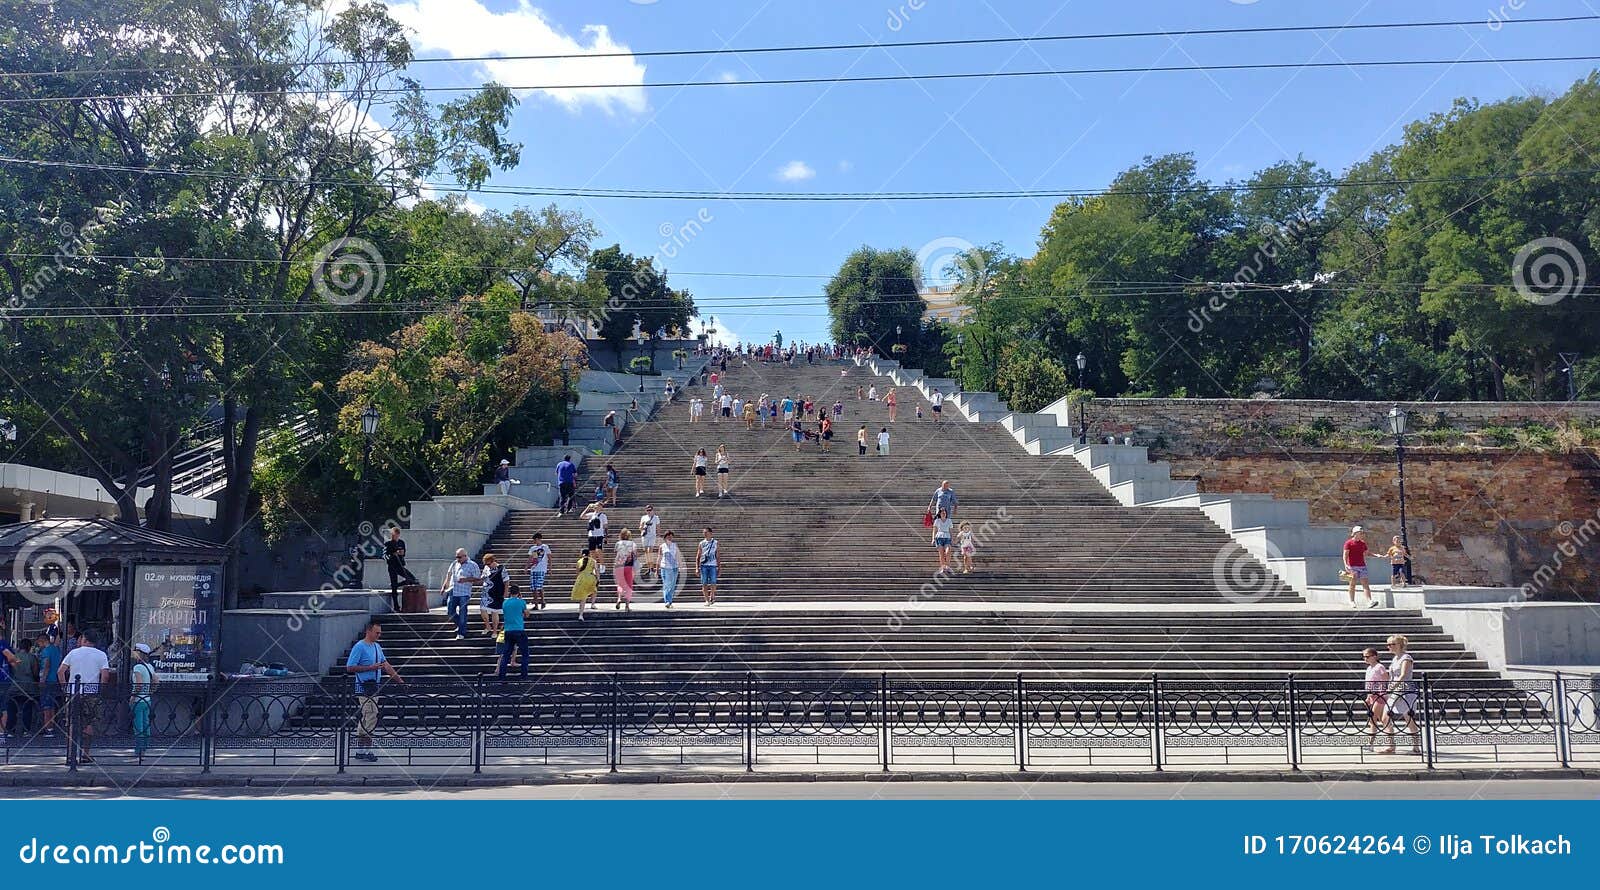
{"points": [[369, 429], [1083, 420], [639, 338], [1397, 426]]}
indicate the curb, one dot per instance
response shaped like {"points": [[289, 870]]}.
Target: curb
{"points": [[1304, 777]]}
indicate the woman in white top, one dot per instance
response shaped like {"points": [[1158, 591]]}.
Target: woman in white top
{"points": [[694, 410], [883, 442], [724, 477], [623, 563], [872, 393], [1402, 694], [700, 472]]}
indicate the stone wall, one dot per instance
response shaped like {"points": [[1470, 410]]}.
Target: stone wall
{"points": [[1200, 426], [1492, 518]]}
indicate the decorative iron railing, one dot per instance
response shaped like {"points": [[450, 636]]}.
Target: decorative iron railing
{"points": [[876, 722]]}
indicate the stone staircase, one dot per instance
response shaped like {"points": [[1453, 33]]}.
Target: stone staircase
{"points": [[828, 571], [1277, 531]]}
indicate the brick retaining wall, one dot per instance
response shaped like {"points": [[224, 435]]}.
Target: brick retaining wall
{"points": [[1490, 518]]}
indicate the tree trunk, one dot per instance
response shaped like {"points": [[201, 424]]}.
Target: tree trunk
{"points": [[238, 456]]}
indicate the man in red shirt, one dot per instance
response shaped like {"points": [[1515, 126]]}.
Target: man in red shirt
{"points": [[1355, 566]]}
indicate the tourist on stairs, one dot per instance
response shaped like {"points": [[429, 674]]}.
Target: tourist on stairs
{"points": [[700, 472], [941, 539], [825, 432], [967, 545], [861, 441], [458, 580], [944, 498], [1355, 566], [514, 617], [706, 562], [1377, 698], [587, 584], [724, 479], [883, 442], [596, 517], [567, 481], [538, 568], [798, 432], [671, 564], [1402, 693], [649, 523], [613, 484], [623, 564], [493, 596], [892, 402]]}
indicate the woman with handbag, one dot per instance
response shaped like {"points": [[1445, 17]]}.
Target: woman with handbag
{"points": [[587, 584], [494, 594], [626, 551]]}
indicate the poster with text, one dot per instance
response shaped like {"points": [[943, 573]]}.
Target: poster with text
{"points": [[175, 614]]}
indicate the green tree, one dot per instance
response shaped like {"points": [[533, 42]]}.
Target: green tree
{"points": [[874, 292], [300, 167]]}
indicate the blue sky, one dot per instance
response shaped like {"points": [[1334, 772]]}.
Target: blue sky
{"points": [[1047, 132]]}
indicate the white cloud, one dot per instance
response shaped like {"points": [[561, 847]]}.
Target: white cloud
{"points": [[467, 28], [795, 171]]}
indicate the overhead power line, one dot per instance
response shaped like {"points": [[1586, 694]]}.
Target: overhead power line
{"points": [[692, 195], [831, 47], [794, 81]]}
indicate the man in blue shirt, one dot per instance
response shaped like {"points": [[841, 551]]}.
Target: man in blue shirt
{"points": [[49, 687], [368, 663], [944, 498], [515, 612], [566, 480]]}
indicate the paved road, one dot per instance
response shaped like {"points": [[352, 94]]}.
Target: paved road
{"points": [[1531, 789]]}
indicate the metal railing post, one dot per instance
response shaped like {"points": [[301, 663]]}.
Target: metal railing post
{"points": [[1563, 739], [749, 723], [74, 722], [614, 737], [479, 717], [1427, 721], [883, 719], [346, 703], [208, 706], [1294, 729], [1155, 721], [1022, 727]]}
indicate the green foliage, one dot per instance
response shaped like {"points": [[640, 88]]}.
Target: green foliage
{"points": [[1030, 380], [874, 292], [1390, 290]]}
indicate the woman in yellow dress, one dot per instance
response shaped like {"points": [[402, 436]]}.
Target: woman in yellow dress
{"points": [[587, 584]]}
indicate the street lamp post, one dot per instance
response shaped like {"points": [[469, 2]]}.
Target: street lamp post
{"points": [[566, 401], [369, 429], [1083, 420], [639, 337], [1397, 426]]}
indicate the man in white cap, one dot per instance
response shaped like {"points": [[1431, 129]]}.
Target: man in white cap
{"points": [[1355, 566], [502, 477]]}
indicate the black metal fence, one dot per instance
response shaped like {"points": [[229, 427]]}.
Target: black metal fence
{"points": [[882, 722]]}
